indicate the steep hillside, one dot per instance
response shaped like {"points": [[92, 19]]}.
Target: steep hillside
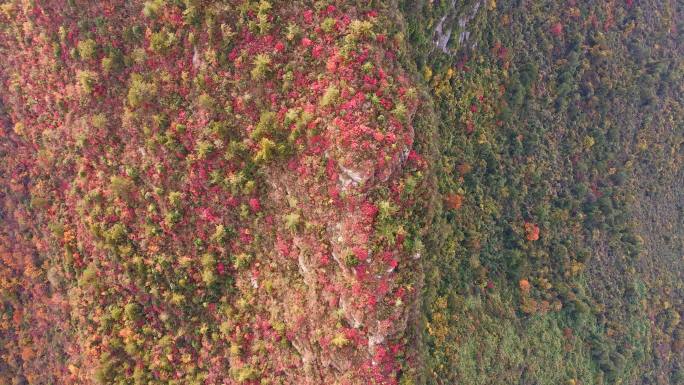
{"points": [[345, 192], [207, 192], [560, 135]]}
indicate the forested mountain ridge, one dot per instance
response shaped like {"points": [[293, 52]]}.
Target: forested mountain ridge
{"points": [[341, 192], [559, 255]]}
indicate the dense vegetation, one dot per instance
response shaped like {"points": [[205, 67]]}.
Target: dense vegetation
{"points": [[341, 192], [553, 118], [206, 192]]}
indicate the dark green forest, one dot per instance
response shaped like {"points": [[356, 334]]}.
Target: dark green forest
{"points": [[564, 119]]}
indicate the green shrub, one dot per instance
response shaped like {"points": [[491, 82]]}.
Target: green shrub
{"points": [[121, 187], [350, 260], [162, 41], [206, 101], [175, 198], [261, 66], [140, 91], [106, 371], [87, 49], [152, 8], [133, 311], [87, 80], [245, 374], [242, 261], [357, 30], [267, 150], [140, 376], [88, 276], [220, 235], [340, 340], [292, 220], [330, 96], [265, 126], [172, 217], [293, 31], [400, 112], [328, 24], [204, 149], [116, 234], [208, 276]]}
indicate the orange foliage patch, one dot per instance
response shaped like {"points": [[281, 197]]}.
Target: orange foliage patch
{"points": [[27, 353], [453, 201], [524, 285], [125, 333]]}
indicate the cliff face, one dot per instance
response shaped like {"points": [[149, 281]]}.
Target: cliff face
{"points": [[207, 192]]}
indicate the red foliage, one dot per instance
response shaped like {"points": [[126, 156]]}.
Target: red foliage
{"points": [[254, 204], [557, 29], [361, 254], [179, 141], [470, 127], [308, 16], [531, 231]]}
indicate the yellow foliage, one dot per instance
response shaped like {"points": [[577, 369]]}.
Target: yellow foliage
{"points": [[340, 340]]}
